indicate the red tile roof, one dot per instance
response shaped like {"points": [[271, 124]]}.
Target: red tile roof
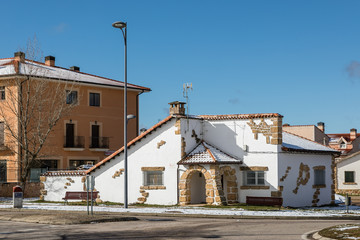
{"points": [[239, 116], [65, 173]]}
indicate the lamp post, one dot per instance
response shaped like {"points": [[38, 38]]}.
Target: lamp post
{"points": [[123, 28]]}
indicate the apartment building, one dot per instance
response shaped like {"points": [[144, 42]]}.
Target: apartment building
{"points": [[92, 130]]}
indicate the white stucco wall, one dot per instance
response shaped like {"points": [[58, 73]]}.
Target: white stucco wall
{"points": [[305, 193], [231, 136], [144, 154], [269, 160], [350, 164], [55, 186]]}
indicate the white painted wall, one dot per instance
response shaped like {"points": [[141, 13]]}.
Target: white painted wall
{"points": [[269, 160], [144, 154], [305, 193], [231, 136], [350, 164], [55, 187]]}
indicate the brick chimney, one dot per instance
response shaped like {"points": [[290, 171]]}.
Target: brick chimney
{"points": [[177, 108], [353, 134], [276, 130], [75, 69], [50, 61], [19, 56], [321, 126]]}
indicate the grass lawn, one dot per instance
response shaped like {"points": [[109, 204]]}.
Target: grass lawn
{"points": [[346, 231], [240, 205]]}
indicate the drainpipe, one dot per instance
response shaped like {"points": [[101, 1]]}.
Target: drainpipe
{"points": [[177, 185], [137, 112]]}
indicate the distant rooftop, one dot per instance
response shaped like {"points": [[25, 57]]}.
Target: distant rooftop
{"points": [[8, 67]]}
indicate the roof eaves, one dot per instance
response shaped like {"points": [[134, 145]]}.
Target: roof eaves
{"points": [[240, 116], [287, 149]]}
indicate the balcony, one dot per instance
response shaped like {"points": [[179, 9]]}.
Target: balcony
{"points": [[74, 142], [99, 142]]}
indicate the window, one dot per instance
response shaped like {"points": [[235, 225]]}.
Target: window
{"points": [[153, 178], [319, 177], [3, 171], [95, 136], [2, 93], [349, 176], [41, 166], [94, 99], [71, 97], [2, 141], [254, 178], [342, 145], [75, 164]]}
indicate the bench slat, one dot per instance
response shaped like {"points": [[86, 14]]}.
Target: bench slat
{"points": [[79, 195], [266, 201]]}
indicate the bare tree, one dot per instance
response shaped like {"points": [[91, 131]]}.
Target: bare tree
{"points": [[34, 105]]}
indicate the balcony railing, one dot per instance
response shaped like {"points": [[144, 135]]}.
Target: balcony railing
{"points": [[74, 142], [99, 142]]}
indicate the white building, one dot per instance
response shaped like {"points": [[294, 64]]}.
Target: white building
{"points": [[213, 159], [348, 175]]}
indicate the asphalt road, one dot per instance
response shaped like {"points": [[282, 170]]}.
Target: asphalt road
{"points": [[169, 228]]}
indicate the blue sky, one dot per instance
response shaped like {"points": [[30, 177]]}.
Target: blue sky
{"points": [[297, 58]]}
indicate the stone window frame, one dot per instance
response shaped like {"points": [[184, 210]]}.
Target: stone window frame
{"points": [[255, 169], [147, 186]]}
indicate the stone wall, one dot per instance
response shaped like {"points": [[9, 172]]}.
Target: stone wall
{"points": [[31, 190]]}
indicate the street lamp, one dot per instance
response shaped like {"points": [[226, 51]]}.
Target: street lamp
{"points": [[123, 28]]}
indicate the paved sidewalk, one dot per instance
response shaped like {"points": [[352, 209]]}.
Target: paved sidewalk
{"points": [[60, 217]]}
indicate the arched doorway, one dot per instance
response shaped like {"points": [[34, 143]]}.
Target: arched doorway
{"points": [[197, 188]]}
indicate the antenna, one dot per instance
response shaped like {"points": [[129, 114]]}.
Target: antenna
{"points": [[186, 88]]}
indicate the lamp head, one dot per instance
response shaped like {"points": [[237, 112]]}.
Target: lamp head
{"points": [[130, 116], [120, 25]]}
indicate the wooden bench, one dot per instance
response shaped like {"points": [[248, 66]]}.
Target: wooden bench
{"points": [[79, 196], [264, 201]]}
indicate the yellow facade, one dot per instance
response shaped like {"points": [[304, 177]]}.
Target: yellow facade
{"points": [[84, 136]]}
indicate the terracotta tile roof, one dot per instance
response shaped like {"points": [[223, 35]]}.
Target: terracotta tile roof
{"points": [[132, 142], [285, 126], [65, 173], [346, 136], [239, 116], [206, 153]]}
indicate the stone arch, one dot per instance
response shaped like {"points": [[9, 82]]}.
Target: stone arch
{"points": [[231, 186], [185, 182]]}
